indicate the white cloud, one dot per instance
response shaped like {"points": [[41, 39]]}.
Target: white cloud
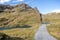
{"points": [[3, 1], [56, 10], [18, 0]]}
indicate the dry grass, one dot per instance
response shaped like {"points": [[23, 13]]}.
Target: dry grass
{"points": [[54, 28], [18, 22], [29, 18], [25, 33]]}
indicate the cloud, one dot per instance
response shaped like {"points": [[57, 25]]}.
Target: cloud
{"points": [[3, 1], [56, 10], [18, 0]]}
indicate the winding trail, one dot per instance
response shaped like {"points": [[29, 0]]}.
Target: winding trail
{"points": [[42, 34]]}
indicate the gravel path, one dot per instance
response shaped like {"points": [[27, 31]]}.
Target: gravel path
{"points": [[42, 34]]}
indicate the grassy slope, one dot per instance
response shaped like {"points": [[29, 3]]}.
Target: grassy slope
{"points": [[20, 19], [25, 33], [54, 28]]}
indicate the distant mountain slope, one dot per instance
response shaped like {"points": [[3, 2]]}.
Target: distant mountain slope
{"points": [[53, 16]]}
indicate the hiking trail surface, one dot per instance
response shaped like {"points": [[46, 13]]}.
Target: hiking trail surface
{"points": [[43, 34]]}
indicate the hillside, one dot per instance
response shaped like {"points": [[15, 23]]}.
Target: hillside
{"points": [[20, 21], [54, 27], [53, 17], [19, 15]]}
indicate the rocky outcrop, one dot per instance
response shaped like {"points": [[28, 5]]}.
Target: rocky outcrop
{"points": [[4, 36], [6, 8]]}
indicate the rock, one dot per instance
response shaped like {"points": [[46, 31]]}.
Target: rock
{"points": [[3, 36]]}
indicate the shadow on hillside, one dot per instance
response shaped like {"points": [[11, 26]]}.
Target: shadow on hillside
{"points": [[11, 38], [6, 37], [1, 10], [25, 26], [6, 28], [15, 38]]}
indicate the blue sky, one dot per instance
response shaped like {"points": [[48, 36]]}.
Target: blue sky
{"points": [[44, 6]]}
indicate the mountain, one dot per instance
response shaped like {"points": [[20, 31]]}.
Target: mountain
{"points": [[17, 16], [52, 16]]}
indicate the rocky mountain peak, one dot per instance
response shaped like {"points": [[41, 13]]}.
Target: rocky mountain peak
{"points": [[23, 6]]}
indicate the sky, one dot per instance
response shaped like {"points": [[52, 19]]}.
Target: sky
{"points": [[44, 6]]}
